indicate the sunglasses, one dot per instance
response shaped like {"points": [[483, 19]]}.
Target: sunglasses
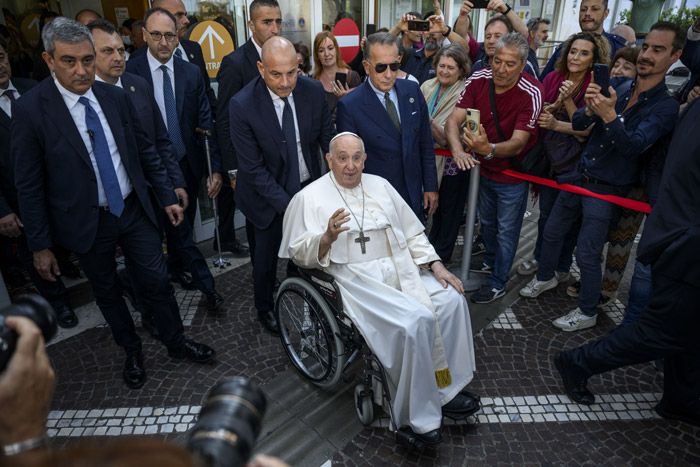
{"points": [[381, 67]]}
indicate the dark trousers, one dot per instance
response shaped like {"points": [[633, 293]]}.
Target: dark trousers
{"points": [[227, 208], [447, 218], [668, 328], [548, 197], [54, 292], [183, 253], [596, 216], [264, 246], [140, 242]]}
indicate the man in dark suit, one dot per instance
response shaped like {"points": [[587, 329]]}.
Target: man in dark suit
{"points": [[82, 161], [10, 219], [184, 109], [392, 119], [238, 69], [669, 326], [109, 64], [278, 147]]}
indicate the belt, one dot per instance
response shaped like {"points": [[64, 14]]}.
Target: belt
{"points": [[376, 246], [593, 181], [105, 208]]}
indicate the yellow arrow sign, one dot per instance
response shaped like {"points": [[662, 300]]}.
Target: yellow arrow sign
{"points": [[216, 43]]}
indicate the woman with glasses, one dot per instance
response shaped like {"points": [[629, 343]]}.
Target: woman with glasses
{"points": [[441, 93], [327, 65]]}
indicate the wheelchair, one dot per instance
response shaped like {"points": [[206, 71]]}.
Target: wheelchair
{"points": [[323, 343]]}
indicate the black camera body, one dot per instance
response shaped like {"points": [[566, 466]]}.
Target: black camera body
{"points": [[33, 307], [229, 423]]}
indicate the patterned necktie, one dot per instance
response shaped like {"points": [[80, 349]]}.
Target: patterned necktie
{"points": [[103, 158], [178, 53], [391, 110], [293, 183], [10, 94], [171, 115]]}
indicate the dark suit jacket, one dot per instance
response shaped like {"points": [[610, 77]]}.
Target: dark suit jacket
{"points": [[262, 153], [405, 158], [195, 56], [8, 194], [192, 108], [56, 182], [237, 69], [141, 95]]}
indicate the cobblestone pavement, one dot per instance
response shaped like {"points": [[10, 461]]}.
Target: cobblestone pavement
{"points": [[526, 418]]}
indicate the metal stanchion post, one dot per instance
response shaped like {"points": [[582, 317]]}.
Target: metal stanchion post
{"points": [[220, 261], [470, 284]]}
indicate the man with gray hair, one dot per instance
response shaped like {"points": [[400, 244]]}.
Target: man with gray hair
{"points": [[83, 168], [405, 303], [537, 35], [509, 102]]}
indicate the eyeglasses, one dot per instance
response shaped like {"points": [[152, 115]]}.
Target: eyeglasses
{"points": [[157, 35], [381, 67]]}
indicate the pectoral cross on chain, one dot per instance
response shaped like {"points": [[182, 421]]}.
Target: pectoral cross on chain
{"points": [[362, 240]]}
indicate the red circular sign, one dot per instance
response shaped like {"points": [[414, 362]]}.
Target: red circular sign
{"points": [[347, 34]]}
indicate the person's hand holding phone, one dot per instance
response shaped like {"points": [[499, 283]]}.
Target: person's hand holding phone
{"points": [[496, 5], [437, 25], [602, 106]]}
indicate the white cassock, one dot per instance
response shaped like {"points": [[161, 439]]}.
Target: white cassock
{"points": [[419, 330]]}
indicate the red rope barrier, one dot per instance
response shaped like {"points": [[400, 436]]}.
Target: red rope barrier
{"points": [[614, 199]]}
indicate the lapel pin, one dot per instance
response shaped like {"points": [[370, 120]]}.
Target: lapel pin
{"points": [[192, 56], [411, 100], [133, 89]]}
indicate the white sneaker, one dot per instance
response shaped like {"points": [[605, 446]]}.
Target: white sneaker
{"points": [[534, 288], [562, 276], [575, 320], [527, 267]]}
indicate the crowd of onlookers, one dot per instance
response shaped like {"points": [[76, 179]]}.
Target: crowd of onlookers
{"points": [[419, 87]]}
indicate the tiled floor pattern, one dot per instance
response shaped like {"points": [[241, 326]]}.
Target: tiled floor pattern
{"points": [[506, 320]]}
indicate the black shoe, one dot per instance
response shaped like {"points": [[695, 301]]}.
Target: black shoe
{"points": [[478, 246], [573, 379], [269, 322], [65, 316], [193, 351], [214, 301], [236, 248], [182, 278], [687, 414], [461, 405], [134, 374], [409, 437], [148, 323]]}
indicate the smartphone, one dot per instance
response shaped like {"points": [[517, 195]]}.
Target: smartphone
{"points": [[479, 4], [601, 77], [418, 25], [473, 121], [342, 77], [370, 29]]}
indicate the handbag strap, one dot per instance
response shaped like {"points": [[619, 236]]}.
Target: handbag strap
{"points": [[492, 101]]}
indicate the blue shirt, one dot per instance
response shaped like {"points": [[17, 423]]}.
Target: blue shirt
{"points": [[616, 42], [392, 95], [420, 66], [613, 152]]}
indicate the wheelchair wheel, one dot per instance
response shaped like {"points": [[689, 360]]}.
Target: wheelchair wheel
{"points": [[364, 405], [310, 333]]}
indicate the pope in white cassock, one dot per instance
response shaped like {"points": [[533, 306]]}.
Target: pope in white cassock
{"points": [[409, 308]]}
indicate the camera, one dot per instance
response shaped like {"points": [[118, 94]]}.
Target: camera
{"points": [[33, 307], [229, 423]]}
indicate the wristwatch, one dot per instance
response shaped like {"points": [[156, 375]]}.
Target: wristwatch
{"points": [[508, 8], [449, 30], [490, 155]]}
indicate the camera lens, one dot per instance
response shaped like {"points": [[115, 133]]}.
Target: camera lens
{"points": [[229, 423], [33, 307]]}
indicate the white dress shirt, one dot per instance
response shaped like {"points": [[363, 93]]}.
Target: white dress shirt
{"points": [[257, 47], [118, 83], [5, 102], [157, 77], [183, 54], [77, 111], [277, 101]]}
